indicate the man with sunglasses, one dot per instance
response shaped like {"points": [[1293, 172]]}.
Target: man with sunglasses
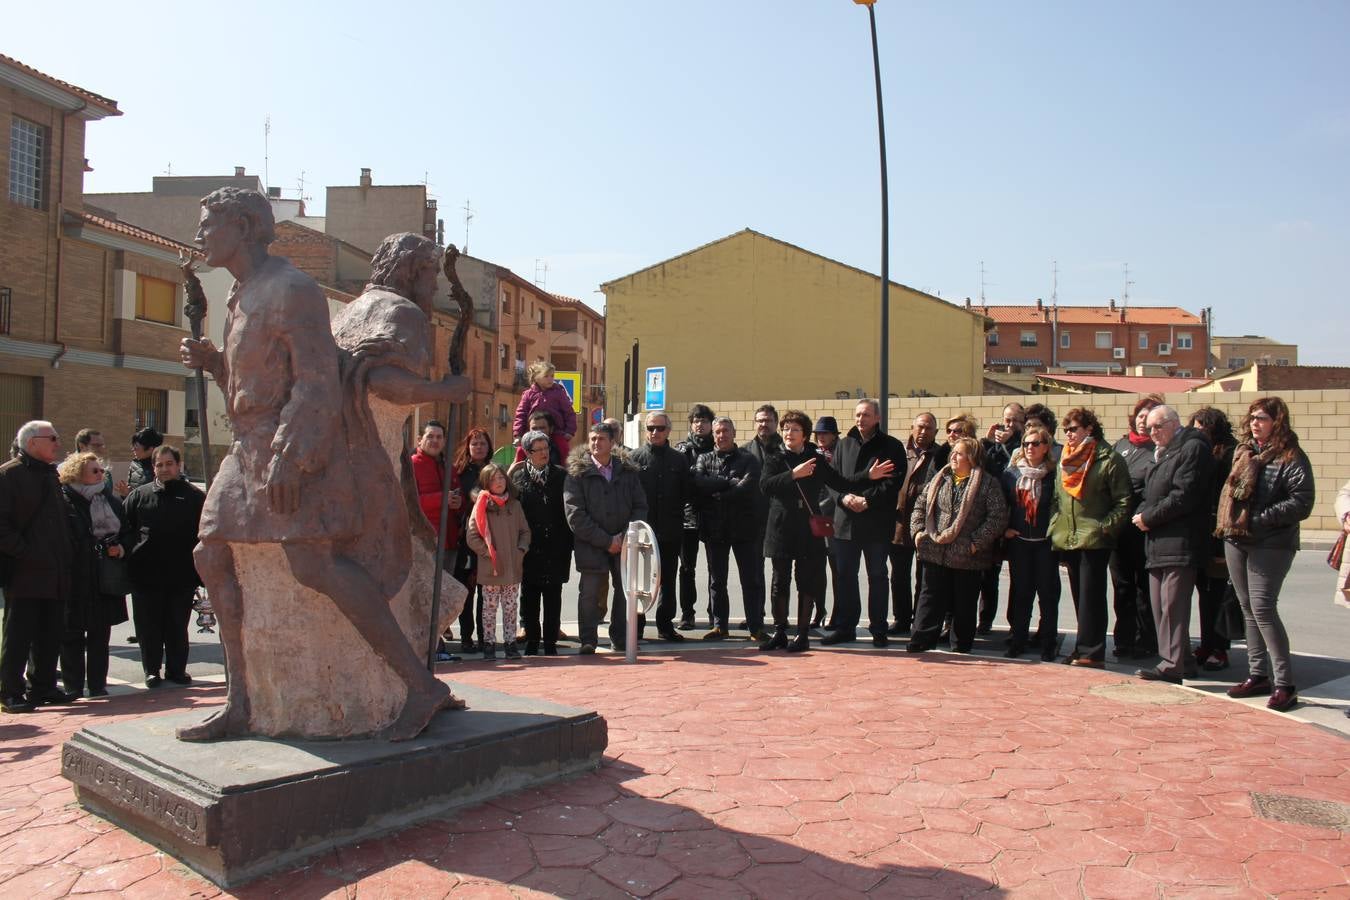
{"points": [[664, 474], [36, 561]]}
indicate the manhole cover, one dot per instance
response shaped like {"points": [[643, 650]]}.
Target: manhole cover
{"points": [[1302, 811], [1144, 692]]}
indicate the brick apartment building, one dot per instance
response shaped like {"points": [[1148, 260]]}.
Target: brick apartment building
{"points": [[1111, 339], [90, 308]]}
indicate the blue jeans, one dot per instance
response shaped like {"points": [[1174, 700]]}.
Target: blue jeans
{"points": [[848, 600]]}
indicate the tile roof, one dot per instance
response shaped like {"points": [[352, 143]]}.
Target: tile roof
{"points": [[135, 231], [1089, 315], [577, 304], [109, 106], [1128, 384]]}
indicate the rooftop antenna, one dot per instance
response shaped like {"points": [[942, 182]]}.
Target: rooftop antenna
{"points": [[300, 186], [982, 303], [1125, 294], [1054, 282], [267, 134], [541, 272], [468, 217], [168, 168]]}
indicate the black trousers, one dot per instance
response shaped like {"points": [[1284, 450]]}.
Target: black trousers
{"points": [[467, 574], [688, 572], [946, 590], [1034, 571], [903, 590], [989, 595], [810, 585], [750, 566], [1088, 570], [535, 598], [86, 657], [848, 595], [1212, 592], [161, 617], [32, 627], [1134, 629], [667, 600]]}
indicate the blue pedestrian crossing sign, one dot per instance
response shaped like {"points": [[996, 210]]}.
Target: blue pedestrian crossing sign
{"points": [[656, 388]]}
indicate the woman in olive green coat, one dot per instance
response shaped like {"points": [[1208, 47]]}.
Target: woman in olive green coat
{"points": [[1092, 490]]}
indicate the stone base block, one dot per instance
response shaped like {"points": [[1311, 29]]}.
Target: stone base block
{"points": [[234, 810]]}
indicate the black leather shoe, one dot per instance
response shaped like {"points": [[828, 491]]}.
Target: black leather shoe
{"points": [[1255, 686], [670, 635], [686, 624], [1155, 675], [153, 681], [803, 642], [1014, 651], [880, 640], [838, 637], [777, 641], [1048, 654], [898, 630], [917, 647], [16, 705], [98, 692], [983, 628], [56, 697], [183, 678]]}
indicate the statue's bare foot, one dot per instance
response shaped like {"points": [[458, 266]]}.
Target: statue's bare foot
{"points": [[226, 722], [418, 711], [453, 702]]}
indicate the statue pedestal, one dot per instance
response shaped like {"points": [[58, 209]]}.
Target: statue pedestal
{"points": [[234, 810]]}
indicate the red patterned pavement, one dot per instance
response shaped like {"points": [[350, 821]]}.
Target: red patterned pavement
{"points": [[834, 774]]}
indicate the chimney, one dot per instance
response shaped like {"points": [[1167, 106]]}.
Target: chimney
{"points": [[967, 303], [1113, 303], [238, 171], [365, 178], [274, 193], [1039, 304]]}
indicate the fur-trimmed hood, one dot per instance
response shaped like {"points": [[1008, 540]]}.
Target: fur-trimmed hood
{"points": [[579, 461]]}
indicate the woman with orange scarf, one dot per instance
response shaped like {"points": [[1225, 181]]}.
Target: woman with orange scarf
{"points": [[1092, 497]]}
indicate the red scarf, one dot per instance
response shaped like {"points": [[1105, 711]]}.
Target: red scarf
{"points": [[1139, 440], [480, 508]]}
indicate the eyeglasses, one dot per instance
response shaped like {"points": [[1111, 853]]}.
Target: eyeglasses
{"points": [[1261, 417], [1159, 427], [47, 437], [954, 431], [1072, 429], [651, 429], [1033, 443]]}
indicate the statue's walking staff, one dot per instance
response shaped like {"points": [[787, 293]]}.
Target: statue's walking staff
{"points": [[194, 310], [457, 366]]}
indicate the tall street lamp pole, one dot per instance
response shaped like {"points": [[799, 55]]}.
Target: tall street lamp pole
{"points": [[885, 226]]}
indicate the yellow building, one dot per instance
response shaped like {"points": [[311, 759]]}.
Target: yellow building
{"points": [[755, 317]]}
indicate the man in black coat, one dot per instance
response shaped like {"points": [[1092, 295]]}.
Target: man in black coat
{"points": [[698, 443], [36, 560], [767, 442], [163, 517], [1174, 516], [664, 473], [864, 525], [727, 480]]}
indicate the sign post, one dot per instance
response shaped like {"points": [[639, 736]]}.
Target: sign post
{"points": [[655, 393]]}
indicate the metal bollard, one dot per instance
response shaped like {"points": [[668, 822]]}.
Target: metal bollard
{"points": [[640, 563]]}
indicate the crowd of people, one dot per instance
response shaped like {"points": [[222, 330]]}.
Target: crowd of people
{"points": [[1169, 510], [73, 544]]}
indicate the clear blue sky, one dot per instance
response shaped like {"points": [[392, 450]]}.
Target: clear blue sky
{"points": [[1206, 144]]}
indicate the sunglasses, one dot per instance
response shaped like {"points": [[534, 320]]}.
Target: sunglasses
{"points": [[47, 437], [654, 428], [1033, 443], [1072, 429], [1262, 417]]}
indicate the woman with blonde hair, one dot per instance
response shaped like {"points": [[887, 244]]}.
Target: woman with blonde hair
{"points": [[101, 541], [545, 393]]}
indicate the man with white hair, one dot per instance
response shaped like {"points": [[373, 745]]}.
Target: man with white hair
{"points": [[36, 559], [1174, 516]]}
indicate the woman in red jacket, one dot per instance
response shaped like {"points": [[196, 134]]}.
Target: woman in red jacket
{"points": [[428, 463]]}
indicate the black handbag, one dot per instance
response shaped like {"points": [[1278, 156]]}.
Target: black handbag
{"points": [[113, 576], [1230, 622]]}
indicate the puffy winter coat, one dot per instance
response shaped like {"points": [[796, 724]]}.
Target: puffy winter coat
{"points": [[728, 485], [429, 473], [554, 401], [1175, 507], [973, 546], [598, 509]]}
